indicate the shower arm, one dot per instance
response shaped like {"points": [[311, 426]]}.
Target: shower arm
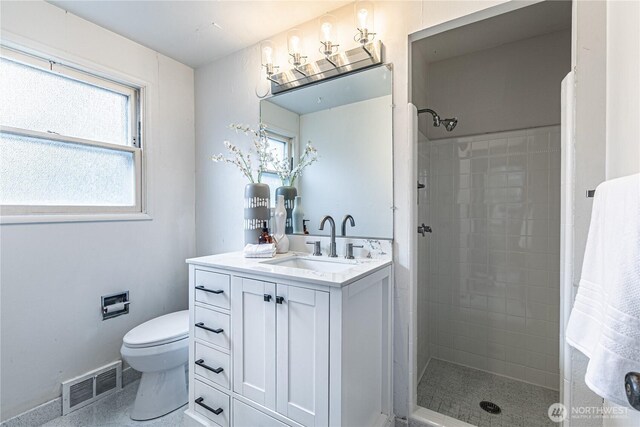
{"points": [[436, 117], [449, 124]]}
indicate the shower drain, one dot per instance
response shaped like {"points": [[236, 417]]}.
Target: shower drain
{"points": [[490, 407]]}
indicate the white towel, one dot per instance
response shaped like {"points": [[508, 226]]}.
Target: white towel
{"points": [[605, 320], [265, 250]]}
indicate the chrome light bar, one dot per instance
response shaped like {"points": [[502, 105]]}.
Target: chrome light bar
{"points": [[341, 63]]}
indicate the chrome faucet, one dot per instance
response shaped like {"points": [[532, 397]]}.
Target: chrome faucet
{"points": [[344, 224], [332, 246]]}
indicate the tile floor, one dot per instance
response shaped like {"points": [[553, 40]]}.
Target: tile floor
{"points": [[113, 411], [457, 391]]}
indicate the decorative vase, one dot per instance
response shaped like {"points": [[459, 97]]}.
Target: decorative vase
{"points": [[280, 218], [256, 211], [298, 216], [289, 192]]}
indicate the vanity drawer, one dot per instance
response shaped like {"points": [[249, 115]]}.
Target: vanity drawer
{"points": [[212, 326], [246, 416], [208, 401], [213, 288], [213, 365]]}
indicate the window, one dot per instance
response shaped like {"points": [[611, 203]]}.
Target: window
{"points": [[282, 146], [69, 140]]}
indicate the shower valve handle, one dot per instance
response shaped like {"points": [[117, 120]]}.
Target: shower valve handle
{"points": [[422, 229]]}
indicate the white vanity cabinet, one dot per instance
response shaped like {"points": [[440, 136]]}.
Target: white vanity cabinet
{"points": [[281, 348], [275, 349]]}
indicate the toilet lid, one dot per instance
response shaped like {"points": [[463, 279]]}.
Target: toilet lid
{"points": [[161, 330]]}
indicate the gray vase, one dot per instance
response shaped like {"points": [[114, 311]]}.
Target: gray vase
{"points": [[289, 192], [256, 211]]}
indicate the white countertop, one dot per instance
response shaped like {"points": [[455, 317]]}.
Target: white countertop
{"points": [[236, 262]]}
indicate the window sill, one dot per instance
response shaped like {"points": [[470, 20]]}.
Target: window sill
{"points": [[52, 218]]}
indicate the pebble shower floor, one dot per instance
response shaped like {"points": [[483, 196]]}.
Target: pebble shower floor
{"points": [[456, 391]]}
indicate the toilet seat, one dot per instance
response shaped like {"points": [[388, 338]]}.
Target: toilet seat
{"points": [[161, 330]]}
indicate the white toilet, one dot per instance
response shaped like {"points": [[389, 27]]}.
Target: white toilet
{"points": [[159, 348]]}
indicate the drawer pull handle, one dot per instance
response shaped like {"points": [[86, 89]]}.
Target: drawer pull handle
{"points": [[202, 288], [200, 362], [215, 331], [279, 300], [267, 297], [207, 407]]}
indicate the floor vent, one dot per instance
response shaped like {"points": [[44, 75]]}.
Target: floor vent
{"points": [[490, 407], [91, 386]]}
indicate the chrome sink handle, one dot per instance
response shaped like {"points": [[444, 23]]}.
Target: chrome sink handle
{"points": [[349, 250], [316, 248]]}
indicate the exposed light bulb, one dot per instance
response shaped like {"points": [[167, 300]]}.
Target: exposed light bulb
{"points": [[362, 18], [364, 21], [328, 34], [268, 54], [294, 44], [326, 31]]}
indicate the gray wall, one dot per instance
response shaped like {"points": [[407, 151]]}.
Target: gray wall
{"points": [[623, 89], [52, 275], [509, 87]]}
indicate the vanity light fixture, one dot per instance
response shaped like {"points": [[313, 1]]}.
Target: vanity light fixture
{"points": [[267, 52], [328, 35], [334, 63], [364, 22], [294, 44]]}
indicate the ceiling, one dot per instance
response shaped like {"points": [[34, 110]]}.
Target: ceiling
{"points": [[185, 30], [531, 21]]}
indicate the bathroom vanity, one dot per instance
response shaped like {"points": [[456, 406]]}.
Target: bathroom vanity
{"points": [[295, 340]]}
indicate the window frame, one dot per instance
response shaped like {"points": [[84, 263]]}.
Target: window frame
{"points": [[287, 141], [135, 145]]}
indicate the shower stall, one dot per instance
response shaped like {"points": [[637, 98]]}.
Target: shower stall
{"points": [[488, 288]]}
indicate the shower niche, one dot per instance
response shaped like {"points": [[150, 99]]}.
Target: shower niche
{"points": [[488, 297]]}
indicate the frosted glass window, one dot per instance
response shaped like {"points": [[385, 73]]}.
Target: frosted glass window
{"points": [[45, 101], [35, 171]]}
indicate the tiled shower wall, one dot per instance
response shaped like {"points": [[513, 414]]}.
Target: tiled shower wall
{"points": [[493, 258]]}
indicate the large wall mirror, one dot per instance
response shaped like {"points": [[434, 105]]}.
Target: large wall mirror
{"points": [[349, 121]]}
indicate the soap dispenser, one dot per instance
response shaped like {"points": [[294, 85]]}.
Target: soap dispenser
{"points": [[264, 237]]}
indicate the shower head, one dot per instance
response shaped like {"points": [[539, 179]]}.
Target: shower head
{"points": [[449, 124]]}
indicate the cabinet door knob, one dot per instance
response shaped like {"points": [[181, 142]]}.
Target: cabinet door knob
{"points": [[200, 362], [215, 331], [267, 297], [207, 407], [202, 288], [279, 300]]}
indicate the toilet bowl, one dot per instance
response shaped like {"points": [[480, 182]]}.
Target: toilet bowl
{"points": [[159, 348]]}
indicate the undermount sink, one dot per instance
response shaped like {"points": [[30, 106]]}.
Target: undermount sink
{"points": [[324, 265]]}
